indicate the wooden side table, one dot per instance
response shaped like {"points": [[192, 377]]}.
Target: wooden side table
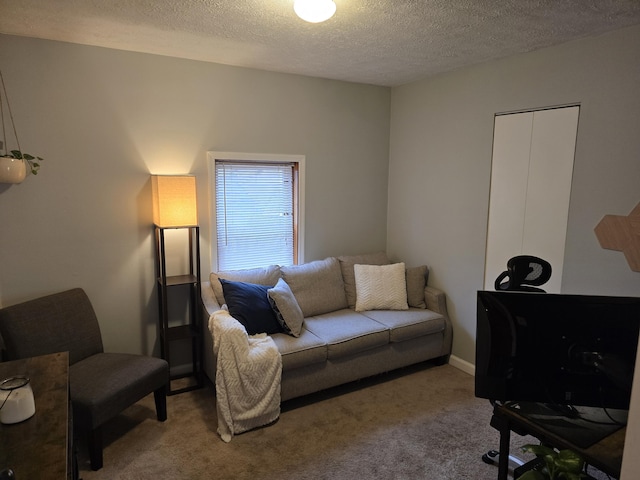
{"points": [[40, 446]]}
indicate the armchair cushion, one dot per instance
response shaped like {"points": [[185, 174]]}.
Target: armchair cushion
{"points": [[104, 384]]}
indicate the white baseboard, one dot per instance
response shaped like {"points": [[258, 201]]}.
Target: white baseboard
{"points": [[463, 365]]}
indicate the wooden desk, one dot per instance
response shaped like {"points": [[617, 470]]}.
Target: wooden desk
{"points": [[606, 455], [39, 447]]}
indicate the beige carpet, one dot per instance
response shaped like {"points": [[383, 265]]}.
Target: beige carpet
{"points": [[420, 423]]}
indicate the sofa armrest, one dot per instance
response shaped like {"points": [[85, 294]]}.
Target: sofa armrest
{"points": [[209, 302], [435, 300], [209, 305]]}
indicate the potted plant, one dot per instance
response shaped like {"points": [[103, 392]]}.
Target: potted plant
{"points": [[13, 164], [32, 161], [563, 464]]}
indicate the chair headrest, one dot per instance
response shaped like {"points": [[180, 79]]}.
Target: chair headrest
{"points": [[524, 272]]}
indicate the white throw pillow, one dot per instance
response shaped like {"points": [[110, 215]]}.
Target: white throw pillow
{"points": [[380, 287]]}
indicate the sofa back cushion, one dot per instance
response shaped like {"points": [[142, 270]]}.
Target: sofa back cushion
{"points": [[262, 276], [317, 286], [346, 266], [416, 282]]}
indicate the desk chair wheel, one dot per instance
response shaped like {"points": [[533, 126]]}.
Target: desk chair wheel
{"points": [[491, 458]]}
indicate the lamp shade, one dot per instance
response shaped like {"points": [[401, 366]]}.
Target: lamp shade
{"points": [[174, 200]]}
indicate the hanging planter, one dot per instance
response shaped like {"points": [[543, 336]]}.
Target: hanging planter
{"points": [[14, 164], [12, 170]]}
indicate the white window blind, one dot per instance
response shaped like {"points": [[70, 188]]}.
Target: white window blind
{"points": [[254, 214]]}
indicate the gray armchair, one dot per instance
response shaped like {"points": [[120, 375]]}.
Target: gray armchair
{"points": [[101, 384]]}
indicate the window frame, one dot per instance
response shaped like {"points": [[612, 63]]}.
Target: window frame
{"points": [[299, 187]]}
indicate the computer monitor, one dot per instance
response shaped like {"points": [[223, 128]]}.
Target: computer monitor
{"points": [[560, 349]]}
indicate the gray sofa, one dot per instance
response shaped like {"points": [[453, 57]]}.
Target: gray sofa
{"points": [[340, 340]]}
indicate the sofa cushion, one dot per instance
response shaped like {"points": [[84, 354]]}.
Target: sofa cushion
{"points": [[286, 308], [381, 287], [305, 350], [248, 303], [347, 332], [261, 276], [408, 324], [317, 286], [346, 267], [416, 281]]}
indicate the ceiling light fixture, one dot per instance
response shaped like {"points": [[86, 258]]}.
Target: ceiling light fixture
{"points": [[314, 11]]}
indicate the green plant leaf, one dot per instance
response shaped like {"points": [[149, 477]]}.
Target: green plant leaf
{"points": [[569, 461], [539, 450], [29, 159], [571, 476], [563, 464], [547, 454]]}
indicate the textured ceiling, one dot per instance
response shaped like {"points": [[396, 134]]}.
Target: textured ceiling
{"points": [[380, 42]]}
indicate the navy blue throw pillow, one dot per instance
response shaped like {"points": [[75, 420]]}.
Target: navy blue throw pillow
{"points": [[249, 304]]}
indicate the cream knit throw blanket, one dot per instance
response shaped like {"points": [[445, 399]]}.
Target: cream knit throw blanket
{"points": [[248, 373]]}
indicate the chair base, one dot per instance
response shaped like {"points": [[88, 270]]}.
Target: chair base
{"points": [[94, 437], [160, 398], [94, 443]]}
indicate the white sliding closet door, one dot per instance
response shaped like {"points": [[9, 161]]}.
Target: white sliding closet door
{"points": [[509, 177], [531, 174]]}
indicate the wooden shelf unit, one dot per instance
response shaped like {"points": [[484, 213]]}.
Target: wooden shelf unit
{"points": [[191, 330]]}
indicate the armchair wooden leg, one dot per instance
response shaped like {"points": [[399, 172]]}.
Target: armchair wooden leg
{"points": [[94, 442], [160, 397]]}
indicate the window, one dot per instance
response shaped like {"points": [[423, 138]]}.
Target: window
{"points": [[257, 214]]}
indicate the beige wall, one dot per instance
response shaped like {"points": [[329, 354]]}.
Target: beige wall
{"points": [[105, 120], [440, 164]]}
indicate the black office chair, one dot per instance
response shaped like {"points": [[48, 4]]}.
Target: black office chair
{"points": [[525, 273]]}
